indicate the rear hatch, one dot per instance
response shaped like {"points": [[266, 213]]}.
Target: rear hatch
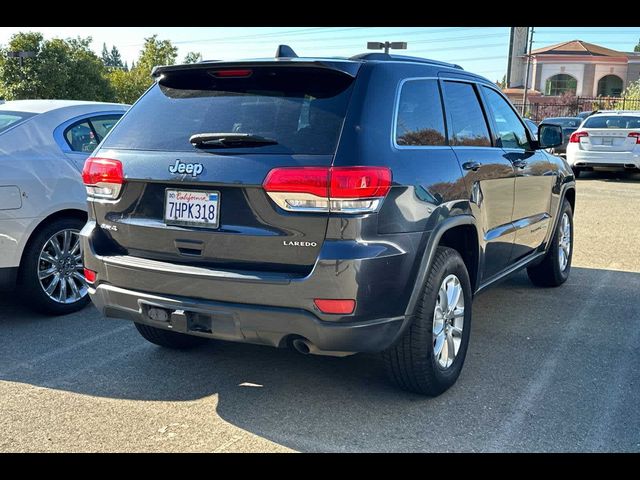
{"points": [[611, 133], [292, 116]]}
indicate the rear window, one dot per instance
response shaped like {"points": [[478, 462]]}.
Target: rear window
{"points": [[612, 121], [301, 108], [11, 119]]}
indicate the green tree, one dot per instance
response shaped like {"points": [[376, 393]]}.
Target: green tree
{"points": [[116, 58], [106, 56], [129, 85], [637, 47], [66, 69], [192, 57]]}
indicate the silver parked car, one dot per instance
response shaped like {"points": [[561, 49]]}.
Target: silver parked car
{"points": [[43, 146]]}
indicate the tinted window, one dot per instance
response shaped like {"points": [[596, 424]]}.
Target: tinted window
{"points": [[612, 121], [511, 131], [468, 126], [80, 137], [103, 124], [420, 117], [11, 119], [564, 122], [301, 108]]}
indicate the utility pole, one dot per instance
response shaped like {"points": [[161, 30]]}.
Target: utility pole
{"points": [[386, 46], [526, 77]]}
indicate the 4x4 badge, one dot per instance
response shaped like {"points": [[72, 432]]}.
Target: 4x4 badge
{"points": [[193, 169]]}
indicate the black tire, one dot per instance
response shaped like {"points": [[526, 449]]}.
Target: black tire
{"points": [[29, 285], [549, 272], [576, 171], [411, 363], [167, 338]]}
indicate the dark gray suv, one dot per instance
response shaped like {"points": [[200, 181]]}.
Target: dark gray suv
{"points": [[330, 205]]}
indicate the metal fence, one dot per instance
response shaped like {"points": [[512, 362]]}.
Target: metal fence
{"points": [[568, 108]]}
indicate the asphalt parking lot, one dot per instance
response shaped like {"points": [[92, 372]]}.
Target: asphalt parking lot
{"points": [[547, 370]]}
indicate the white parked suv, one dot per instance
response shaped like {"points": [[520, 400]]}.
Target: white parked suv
{"points": [[43, 146], [608, 139]]}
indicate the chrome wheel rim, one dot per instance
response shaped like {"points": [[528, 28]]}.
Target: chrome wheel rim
{"points": [[448, 321], [60, 269], [564, 242]]}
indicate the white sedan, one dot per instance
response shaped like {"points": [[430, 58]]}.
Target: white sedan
{"points": [[43, 146], [610, 140]]}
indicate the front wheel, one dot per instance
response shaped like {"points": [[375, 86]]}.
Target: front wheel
{"points": [[428, 358], [554, 269]]}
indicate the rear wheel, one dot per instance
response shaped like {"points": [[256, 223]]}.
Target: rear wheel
{"points": [[52, 275], [554, 270], [429, 356], [167, 338]]}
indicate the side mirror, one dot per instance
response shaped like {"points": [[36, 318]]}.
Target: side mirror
{"points": [[549, 135]]}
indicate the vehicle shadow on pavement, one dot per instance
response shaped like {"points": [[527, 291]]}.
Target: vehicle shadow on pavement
{"points": [[611, 176], [547, 370]]}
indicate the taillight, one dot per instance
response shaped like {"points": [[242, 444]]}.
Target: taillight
{"points": [[635, 135], [103, 177], [336, 307], [328, 189], [576, 136]]}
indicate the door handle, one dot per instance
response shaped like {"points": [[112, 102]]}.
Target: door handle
{"points": [[471, 166], [519, 163]]}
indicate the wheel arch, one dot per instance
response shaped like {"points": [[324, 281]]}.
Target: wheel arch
{"points": [[60, 214], [460, 233]]}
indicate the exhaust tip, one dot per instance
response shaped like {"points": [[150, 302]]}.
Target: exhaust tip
{"points": [[301, 346]]}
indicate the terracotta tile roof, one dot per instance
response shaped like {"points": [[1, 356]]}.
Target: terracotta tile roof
{"points": [[578, 47]]}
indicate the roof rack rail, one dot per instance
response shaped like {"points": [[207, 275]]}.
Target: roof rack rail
{"points": [[402, 58]]}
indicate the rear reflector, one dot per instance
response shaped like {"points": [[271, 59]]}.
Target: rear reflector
{"points": [[324, 189], [344, 307], [576, 136], [238, 73], [635, 135], [103, 177], [89, 275]]}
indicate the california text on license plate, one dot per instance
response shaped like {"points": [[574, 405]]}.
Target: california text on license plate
{"points": [[191, 207]]}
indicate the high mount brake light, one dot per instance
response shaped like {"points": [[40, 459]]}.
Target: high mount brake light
{"points": [[103, 177], [328, 189]]}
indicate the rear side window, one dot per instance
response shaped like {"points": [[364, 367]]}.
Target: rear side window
{"points": [[612, 121], [468, 125], [85, 135], [80, 137], [301, 108], [12, 119], [420, 118]]}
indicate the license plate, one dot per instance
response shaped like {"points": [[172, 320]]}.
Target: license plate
{"points": [[607, 141], [192, 208]]}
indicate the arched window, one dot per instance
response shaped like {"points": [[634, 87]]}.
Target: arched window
{"points": [[610, 86], [559, 84]]}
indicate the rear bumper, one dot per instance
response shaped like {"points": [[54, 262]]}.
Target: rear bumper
{"points": [[257, 324], [581, 158]]}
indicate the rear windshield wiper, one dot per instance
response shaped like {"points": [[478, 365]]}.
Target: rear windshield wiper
{"points": [[229, 140]]}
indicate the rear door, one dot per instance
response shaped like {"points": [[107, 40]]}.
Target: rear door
{"points": [[489, 175], [299, 110]]}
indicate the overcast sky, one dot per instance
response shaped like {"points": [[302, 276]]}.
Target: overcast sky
{"points": [[482, 50]]}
